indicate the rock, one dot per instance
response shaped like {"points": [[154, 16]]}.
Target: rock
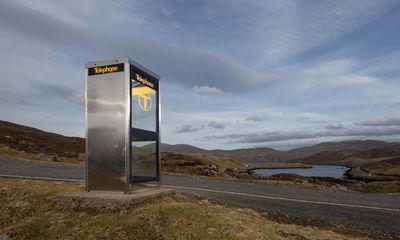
{"points": [[228, 226], [22, 204], [204, 201], [82, 156], [210, 172], [69, 154], [232, 170], [265, 214], [211, 230], [45, 157], [212, 167], [22, 145]]}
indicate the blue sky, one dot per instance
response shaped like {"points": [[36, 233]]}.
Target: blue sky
{"points": [[235, 74]]}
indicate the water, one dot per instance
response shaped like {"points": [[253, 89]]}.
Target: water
{"points": [[333, 171]]}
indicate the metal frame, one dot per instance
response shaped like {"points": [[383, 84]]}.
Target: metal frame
{"points": [[158, 132], [128, 127], [128, 119], [86, 132]]}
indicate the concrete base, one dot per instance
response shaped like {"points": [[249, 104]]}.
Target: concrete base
{"points": [[114, 200]]}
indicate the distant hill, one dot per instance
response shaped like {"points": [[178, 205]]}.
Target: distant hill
{"points": [[372, 151], [179, 148], [346, 152], [253, 154], [391, 149], [32, 140], [322, 151]]}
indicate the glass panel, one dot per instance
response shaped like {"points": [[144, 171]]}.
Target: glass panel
{"points": [[143, 159], [143, 107]]}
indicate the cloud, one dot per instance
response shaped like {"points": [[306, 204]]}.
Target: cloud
{"points": [[283, 136], [217, 47], [208, 90], [298, 27], [334, 126], [273, 31], [187, 128], [45, 91], [216, 125], [77, 97], [383, 121], [165, 59], [331, 74], [181, 64], [256, 118]]}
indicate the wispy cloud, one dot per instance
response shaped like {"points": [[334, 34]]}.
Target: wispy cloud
{"points": [[298, 27], [216, 125], [208, 90], [256, 118], [334, 126], [187, 128], [383, 121], [260, 137], [45, 91]]}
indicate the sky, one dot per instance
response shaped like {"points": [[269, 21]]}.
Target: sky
{"points": [[234, 74]]}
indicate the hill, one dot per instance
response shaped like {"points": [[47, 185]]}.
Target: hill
{"points": [[32, 140], [350, 153], [309, 154], [353, 157], [179, 148]]}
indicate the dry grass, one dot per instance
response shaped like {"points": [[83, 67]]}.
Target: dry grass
{"points": [[29, 211], [12, 154], [196, 164], [378, 187]]}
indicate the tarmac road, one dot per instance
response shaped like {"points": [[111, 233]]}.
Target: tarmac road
{"points": [[376, 213]]}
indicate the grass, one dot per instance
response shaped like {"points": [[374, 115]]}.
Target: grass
{"points": [[8, 153], [29, 210], [380, 187], [196, 164]]}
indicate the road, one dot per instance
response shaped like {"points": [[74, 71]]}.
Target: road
{"points": [[377, 213]]}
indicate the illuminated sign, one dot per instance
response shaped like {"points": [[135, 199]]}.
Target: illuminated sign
{"points": [[144, 87], [144, 81], [143, 77], [106, 69]]}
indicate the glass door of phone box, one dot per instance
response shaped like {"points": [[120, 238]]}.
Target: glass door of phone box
{"points": [[145, 155]]}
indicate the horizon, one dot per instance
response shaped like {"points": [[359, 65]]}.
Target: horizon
{"points": [[212, 149], [263, 74]]}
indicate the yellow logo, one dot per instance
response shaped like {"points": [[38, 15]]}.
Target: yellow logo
{"points": [[100, 70], [145, 103], [144, 97]]}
